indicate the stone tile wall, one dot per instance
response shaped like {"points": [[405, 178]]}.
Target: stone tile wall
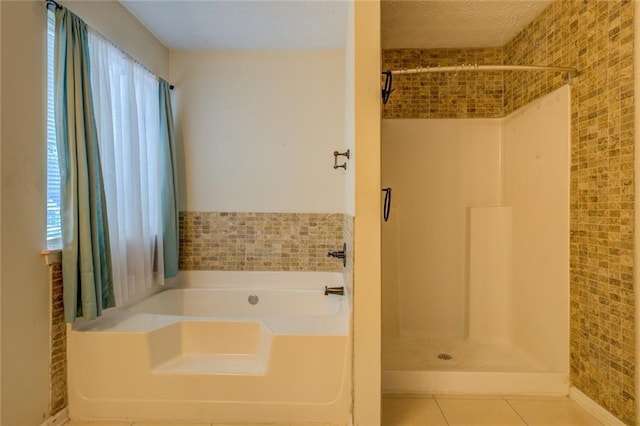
{"points": [[260, 241], [596, 37], [348, 239], [544, 42], [444, 95], [58, 372]]}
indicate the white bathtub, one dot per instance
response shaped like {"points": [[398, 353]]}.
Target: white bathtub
{"points": [[235, 303], [204, 352]]}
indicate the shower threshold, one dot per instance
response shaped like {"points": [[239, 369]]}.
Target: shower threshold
{"points": [[436, 365]]}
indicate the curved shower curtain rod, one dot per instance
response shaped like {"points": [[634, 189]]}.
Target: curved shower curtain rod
{"points": [[475, 67], [388, 89]]}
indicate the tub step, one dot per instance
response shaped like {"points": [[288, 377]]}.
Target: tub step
{"points": [[215, 364]]}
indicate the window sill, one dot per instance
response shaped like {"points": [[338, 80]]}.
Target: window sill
{"points": [[52, 257]]}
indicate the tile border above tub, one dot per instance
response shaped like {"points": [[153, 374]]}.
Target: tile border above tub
{"points": [[239, 241]]}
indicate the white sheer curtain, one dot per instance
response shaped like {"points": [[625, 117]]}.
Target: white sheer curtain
{"points": [[125, 96]]}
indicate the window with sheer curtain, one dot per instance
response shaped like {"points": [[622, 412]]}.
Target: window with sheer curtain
{"points": [[125, 98], [54, 226]]}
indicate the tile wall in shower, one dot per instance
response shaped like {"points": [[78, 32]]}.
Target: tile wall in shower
{"points": [[596, 37], [444, 95]]}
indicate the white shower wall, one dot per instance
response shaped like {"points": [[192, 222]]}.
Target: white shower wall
{"points": [[536, 176], [477, 243], [437, 169]]}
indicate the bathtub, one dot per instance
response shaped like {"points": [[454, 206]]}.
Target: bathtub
{"points": [[222, 346]]}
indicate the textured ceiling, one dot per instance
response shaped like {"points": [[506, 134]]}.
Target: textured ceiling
{"points": [[321, 24], [455, 23], [244, 24]]}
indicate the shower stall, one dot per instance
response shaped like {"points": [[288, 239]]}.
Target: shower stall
{"points": [[475, 253]]}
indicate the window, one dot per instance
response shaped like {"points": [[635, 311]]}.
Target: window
{"points": [[126, 108], [54, 228], [125, 105]]}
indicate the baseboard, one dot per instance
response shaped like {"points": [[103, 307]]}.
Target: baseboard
{"points": [[60, 418], [594, 408]]}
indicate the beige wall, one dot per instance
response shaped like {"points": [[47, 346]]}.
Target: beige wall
{"points": [[24, 314], [25, 307], [0, 218], [259, 129], [366, 314], [349, 115]]}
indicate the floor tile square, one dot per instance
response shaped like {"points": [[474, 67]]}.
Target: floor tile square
{"points": [[553, 413], [160, 423], [478, 412], [251, 424], [408, 395], [311, 424], [411, 411], [458, 396]]}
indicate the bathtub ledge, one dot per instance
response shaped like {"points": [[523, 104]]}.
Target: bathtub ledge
{"points": [[246, 364]]}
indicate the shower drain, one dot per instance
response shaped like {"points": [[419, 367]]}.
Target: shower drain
{"points": [[445, 357]]}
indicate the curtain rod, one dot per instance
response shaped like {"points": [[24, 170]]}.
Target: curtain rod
{"points": [[387, 88], [59, 7], [53, 3], [475, 67]]}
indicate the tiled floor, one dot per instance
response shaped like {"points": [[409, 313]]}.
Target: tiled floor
{"points": [[460, 410], [453, 410], [186, 424]]}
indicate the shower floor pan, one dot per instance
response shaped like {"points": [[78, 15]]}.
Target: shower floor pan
{"points": [[428, 365]]}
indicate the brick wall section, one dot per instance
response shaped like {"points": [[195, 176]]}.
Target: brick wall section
{"points": [[260, 241], [58, 344]]}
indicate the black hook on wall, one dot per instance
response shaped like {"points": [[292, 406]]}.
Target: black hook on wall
{"points": [[386, 209], [387, 89]]}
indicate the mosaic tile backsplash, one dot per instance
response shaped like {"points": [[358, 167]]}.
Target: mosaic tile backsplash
{"points": [[596, 37], [260, 241]]}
